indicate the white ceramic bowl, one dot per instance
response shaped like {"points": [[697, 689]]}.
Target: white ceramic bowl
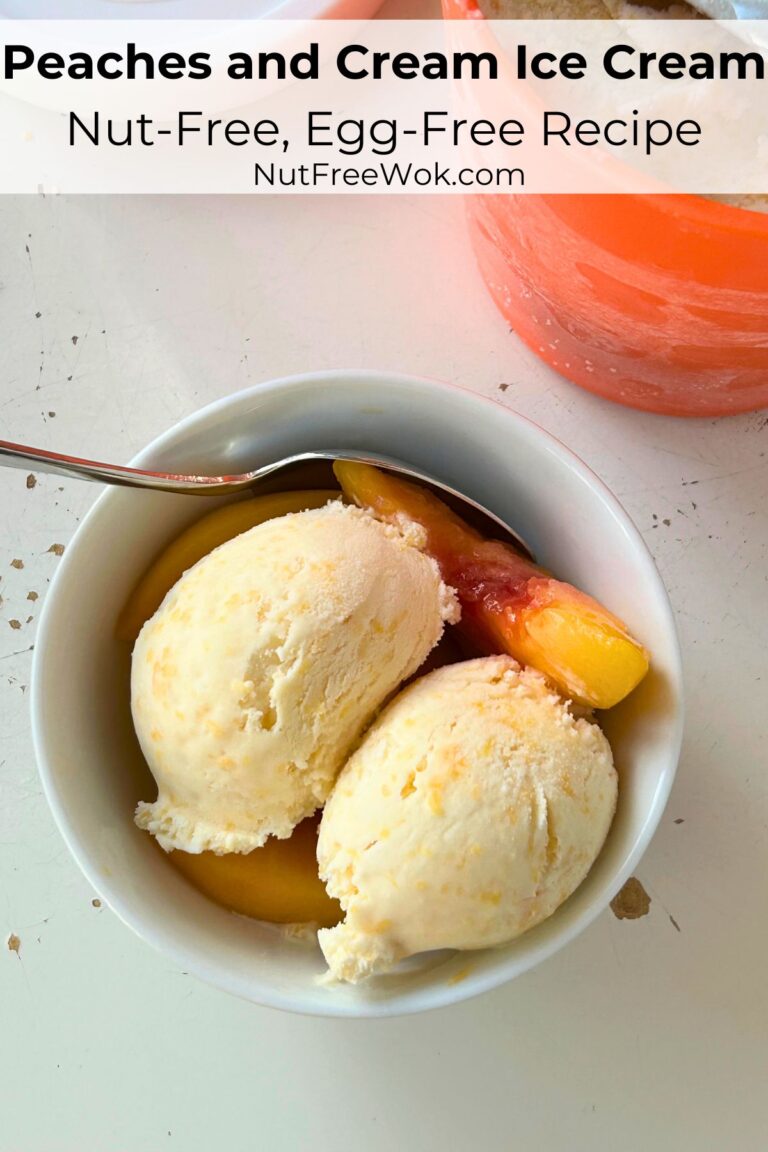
{"points": [[88, 758]]}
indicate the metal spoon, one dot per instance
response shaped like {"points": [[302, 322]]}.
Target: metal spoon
{"points": [[23, 456]]}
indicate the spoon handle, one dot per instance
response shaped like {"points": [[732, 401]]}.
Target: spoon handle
{"points": [[40, 460]]}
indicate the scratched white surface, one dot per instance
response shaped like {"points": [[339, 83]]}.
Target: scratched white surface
{"points": [[118, 317]]}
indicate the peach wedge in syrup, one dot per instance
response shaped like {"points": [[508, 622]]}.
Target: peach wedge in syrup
{"points": [[509, 604]]}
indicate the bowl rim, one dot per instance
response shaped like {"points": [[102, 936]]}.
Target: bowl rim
{"points": [[424, 998]]}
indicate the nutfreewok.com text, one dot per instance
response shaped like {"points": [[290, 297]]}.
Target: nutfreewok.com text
{"points": [[402, 176]]}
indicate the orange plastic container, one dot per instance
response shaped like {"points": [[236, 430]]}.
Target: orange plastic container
{"points": [[655, 301]]}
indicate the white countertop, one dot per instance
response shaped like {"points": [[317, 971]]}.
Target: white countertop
{"points": [[118, 317]]}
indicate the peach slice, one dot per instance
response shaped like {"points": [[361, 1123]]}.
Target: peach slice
{"points": [[508, 603], [277, 882]]}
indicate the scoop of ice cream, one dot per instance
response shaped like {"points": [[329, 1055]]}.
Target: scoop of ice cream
{"points": [[473, 807], [263, 665]]}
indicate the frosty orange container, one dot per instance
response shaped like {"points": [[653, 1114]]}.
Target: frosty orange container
{"points": [[655, 301]]}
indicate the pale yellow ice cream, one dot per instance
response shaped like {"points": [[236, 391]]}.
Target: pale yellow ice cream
{"points": [[474, 806], [264, 664]]}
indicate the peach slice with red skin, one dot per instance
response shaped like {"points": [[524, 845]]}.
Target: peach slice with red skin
{"points": [[508, 603]]}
